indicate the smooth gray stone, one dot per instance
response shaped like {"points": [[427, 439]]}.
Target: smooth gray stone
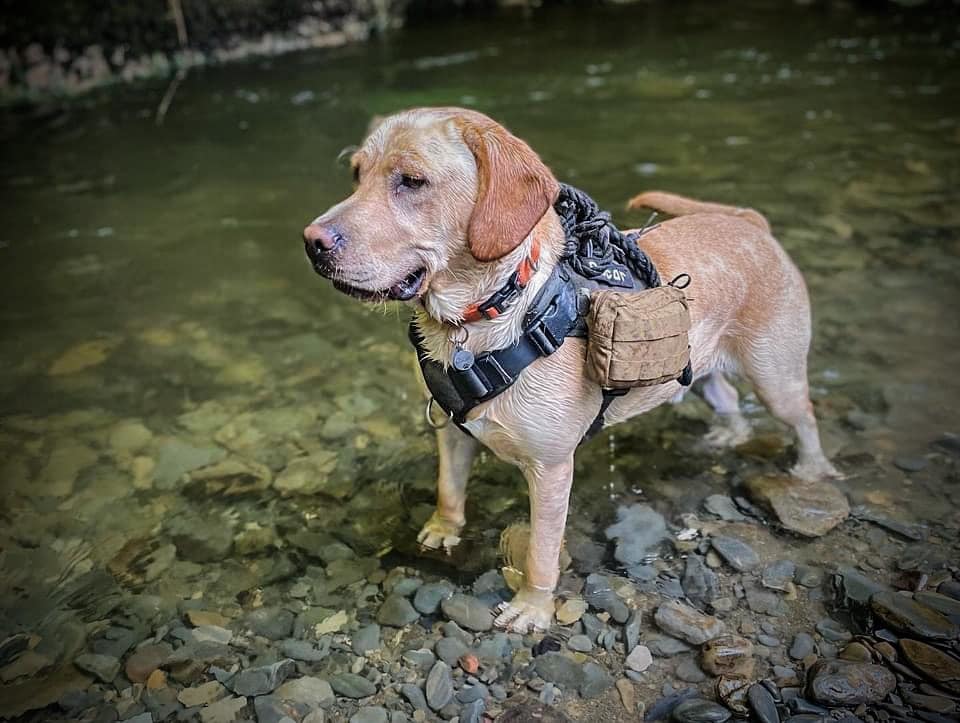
{"points": [[762, 704], [724, 508], [271, 709], [422, 658], [271, 623], [631, 631], [833, 631], [699, 582], [439, 685], [263, 679], [370, 714], [736, 553], [689, 672], [468, 612], [366, 639], [842, 683], [473, 711], [397, 612], [414, 696], [429, 596], [803, 645], [778, 574], [449, 650], [595, 681], [352, 686], [598, 592], [558, 668], [580, 643], [699, 710], [104, 667]]}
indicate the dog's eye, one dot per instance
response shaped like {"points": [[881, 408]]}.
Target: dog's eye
{"points": [[413, 182]]}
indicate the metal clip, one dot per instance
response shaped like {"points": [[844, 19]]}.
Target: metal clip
{"points": [[428, 413]]}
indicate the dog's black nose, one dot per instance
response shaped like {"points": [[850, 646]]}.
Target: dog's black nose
{"points": [[321, 240]]}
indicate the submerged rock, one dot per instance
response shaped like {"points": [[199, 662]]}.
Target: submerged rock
{"points": [[638, 529], [397, 612], [933, 663], [352, 686], [314, 692], [439, 685], [468, 612], [687, 623], [560, 669], [700, 710], [105, 667], [810, 509], [736, 553], [902, 612], [263, 679], [728, 655], [842, 683]]}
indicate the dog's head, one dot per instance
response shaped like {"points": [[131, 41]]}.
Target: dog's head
{"points": [[430, 184]]}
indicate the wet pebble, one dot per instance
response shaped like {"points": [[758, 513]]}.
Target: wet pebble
{"points": [[145, 660], [439, 686], [905, 614], [473, 711], [687, 623], [802, 646], [450, 650], [468, 612], [664, 646], [599, 592], [699, 582], [765, 602], [350, 685], [596, 680], [631, 631], [366, 639], [840, 683], [762, 704], [570, 611], [304, 650], [724, 508], [203, 694], [689, 672], [309, 690], [104, 667], [223, 711], [414, 696], [728, 655], [779, 575], [833, 631], [560, 669], [736, 553], [396, 611], [811, 509], [370, 714], [640, 659], [429, 596], [580, 643], [262, 679], [933, 662], [271, 623], [700, 710]]}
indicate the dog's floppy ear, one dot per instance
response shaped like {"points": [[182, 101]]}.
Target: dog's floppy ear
{"points": [[514, 188]]}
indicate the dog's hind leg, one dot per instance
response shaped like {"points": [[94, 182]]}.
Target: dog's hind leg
{"points": [[731, 427], [457, 451], [532, 607], [777, 367]]}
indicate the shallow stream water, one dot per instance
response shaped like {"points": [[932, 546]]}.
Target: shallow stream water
{"points": [[158, 315]]}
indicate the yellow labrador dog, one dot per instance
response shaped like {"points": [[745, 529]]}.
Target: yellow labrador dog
{"points": [[447, 204]]}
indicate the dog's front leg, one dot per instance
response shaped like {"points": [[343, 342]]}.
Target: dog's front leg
{"points": [[457, 451], [532, 607]]}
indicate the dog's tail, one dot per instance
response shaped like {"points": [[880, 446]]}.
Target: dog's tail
{"points": [[675, 205]]}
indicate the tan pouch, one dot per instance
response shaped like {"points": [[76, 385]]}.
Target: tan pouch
{"points": [[637, 338]]}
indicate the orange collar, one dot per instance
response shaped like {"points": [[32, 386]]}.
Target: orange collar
{"points": [[506, 295]]}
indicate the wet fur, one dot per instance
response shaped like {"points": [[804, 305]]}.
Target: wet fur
{"points": [[470, 229]]}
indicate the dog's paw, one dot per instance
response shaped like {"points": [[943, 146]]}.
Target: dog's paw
{"points": [[439, 534], [727, 434], [818, 471], [528, 611]]}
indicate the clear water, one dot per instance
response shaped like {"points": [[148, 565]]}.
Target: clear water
{"points": [[172, 255]]}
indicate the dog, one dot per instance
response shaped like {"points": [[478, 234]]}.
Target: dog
{"points": [[446, 204]]}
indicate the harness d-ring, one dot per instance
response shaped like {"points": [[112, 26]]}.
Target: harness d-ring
{"points": [[428, 413]]}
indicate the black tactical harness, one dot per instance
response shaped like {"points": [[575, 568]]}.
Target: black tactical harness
{"points": [[596, 255]]}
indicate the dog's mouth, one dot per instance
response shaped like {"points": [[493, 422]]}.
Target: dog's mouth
{"points": [[403, 290]]}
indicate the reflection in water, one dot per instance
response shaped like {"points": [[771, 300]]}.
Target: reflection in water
{"points": [[189, 413]]}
